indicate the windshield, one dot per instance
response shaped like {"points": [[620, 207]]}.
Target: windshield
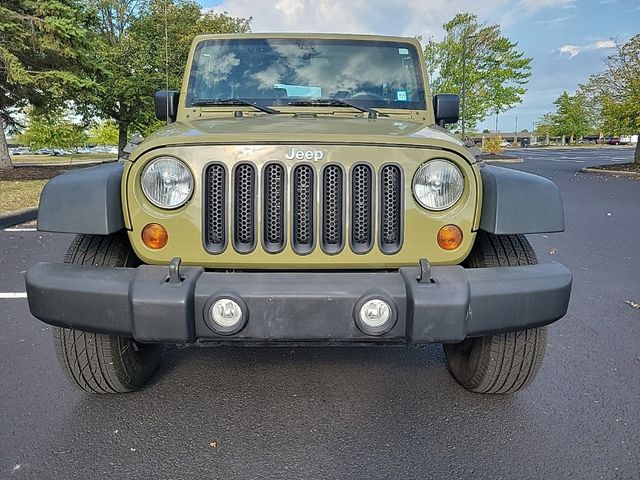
{"points": [[373, 74]]}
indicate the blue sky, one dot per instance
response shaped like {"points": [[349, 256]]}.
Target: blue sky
{"points": [[567, 39]]}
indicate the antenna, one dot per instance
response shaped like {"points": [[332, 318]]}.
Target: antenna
{"points": [[166, 61]]}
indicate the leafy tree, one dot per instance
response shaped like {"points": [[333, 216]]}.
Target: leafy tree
{"points": [[104, 133], [132, 52], [495, 71], [45, 57], [571, 118], [52, 129], [614, 94]]}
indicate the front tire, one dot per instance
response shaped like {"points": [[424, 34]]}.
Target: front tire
{"points": [[95, 362], [506, 362]]}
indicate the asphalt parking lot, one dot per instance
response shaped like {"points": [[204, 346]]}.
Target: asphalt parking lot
{"points": [[345, 412]]}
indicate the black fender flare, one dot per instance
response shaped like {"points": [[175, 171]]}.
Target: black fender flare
{"points": [[516, 202], [83, 201]]}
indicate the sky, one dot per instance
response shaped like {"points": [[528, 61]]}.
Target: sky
{"points": [[567, 39]]}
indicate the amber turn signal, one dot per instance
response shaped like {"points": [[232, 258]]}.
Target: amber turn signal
{"points": [[155, 236], [449, 237]]}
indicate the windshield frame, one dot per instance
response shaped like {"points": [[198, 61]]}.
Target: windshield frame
{"points": [[416, 56]]}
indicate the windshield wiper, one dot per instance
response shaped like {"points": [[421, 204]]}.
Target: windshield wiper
{"points": [[233, 101], [337, 102]]}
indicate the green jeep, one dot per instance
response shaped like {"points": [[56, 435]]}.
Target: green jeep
{"points": [[303, 192]]}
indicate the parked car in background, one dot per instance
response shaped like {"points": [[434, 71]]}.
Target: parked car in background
{"points": [[21, 151], [504, 143], [44, 151], [612, 140]]}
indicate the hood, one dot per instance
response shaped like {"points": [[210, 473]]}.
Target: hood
{"points": [[274, 129]]}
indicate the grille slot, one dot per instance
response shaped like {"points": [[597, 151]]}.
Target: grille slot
{"points": [[215, 232], [390, 209], [244, 208], [274, 207], [332, 209], [361, 208], [303, 208]]}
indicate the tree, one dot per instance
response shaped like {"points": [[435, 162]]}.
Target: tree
{"points": [[571, 118], [45, 59], [52, 129], [132, 52], [104, 133], [614, 94], [495, 71]]}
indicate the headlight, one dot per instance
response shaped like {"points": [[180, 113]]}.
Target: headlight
{"points": [[167, 182], [438, 184]]}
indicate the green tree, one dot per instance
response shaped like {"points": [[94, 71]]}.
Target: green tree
{"points": [[133, 55], [614, 94], [495, 71], [51, 129], [104, 133], [45, 58], [571, 118]]}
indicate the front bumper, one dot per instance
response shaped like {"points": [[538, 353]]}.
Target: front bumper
{"points": [[298, 307]]}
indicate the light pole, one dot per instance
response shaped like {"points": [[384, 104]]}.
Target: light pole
{"points": [[463, 93], [515, 133]]}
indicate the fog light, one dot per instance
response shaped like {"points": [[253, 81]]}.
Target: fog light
{"points": [[375, 315], [155, 236], [226, 313]]}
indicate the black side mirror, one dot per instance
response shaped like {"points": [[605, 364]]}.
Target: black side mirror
{"points": [[447, 108], [166, 103]]}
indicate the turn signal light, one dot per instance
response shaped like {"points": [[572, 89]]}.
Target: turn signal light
{"points": [[155, 236], [449, 237]]}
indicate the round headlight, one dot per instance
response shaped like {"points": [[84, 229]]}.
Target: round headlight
{"points": [[167, 182], [438, 184]]}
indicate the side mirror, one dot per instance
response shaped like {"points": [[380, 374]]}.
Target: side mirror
{"points": [[166, 104], [447, 108]]}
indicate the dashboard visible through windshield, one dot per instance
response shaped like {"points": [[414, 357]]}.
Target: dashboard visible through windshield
{"points": [[375, 74]]}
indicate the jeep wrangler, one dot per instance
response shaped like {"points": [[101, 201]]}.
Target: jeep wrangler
{"points": [[303, 192]]}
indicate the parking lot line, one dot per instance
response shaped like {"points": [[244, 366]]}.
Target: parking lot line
{"points": [[20, 230], [7, 295]]}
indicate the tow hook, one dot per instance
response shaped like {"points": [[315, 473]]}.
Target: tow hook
{"points": [[174, 271], [425, 271]]}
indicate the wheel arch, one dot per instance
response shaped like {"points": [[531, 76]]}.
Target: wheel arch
{"points": [[85, 201]]}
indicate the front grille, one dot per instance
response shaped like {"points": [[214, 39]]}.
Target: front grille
{"points": [[345, 199]]}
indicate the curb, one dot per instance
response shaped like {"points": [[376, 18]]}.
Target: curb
{"points": [[610, 172], [503, 160], [18, 216]]}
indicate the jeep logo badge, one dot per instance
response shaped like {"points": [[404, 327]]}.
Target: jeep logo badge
{"points": [[315, 155]]}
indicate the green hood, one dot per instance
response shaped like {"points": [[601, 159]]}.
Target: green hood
{"points": [[274, 129]]}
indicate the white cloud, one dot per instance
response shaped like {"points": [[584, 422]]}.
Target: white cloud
{"points": [[390, 17], [573, 50]]}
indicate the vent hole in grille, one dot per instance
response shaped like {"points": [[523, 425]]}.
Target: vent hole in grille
{"points": [[274, 207], [332, 209], [303, 209], [391, 204], [361, 206], [215, 208], [244, 211]]}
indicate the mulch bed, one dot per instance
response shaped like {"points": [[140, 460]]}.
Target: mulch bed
{"points": [[619, 167], [36, 173]]}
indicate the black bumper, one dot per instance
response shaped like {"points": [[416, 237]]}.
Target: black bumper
{"points": [[298, 307]]}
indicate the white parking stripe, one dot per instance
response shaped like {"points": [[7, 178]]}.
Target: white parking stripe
{"points": [[20, 230], [13, 295]]}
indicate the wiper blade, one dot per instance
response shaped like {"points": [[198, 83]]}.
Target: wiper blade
{"points": [[337, 102], [233, 101]]}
